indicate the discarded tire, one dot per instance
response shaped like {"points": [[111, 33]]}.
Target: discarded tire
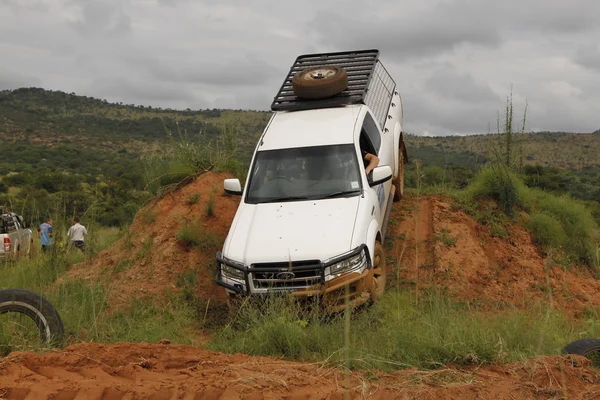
{"points": [[320, 82], [588, 347], [36, 307]]}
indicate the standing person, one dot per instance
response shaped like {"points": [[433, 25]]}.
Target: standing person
{"points": [[45, 234], [76, 233]]}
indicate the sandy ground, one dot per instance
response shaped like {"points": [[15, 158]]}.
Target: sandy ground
{"points": [[162, 371]]}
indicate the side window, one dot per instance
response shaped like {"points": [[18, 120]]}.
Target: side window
{"points": [[370, 128]]}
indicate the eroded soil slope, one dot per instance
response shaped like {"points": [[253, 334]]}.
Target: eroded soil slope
{"points": [[161, 371], [453, 252], [150, 259]]}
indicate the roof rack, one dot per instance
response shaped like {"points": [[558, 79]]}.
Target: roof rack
{"points": [[368, 83]]}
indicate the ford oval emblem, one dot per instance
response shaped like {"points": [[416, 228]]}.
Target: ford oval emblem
{"points": [[286, 276]]}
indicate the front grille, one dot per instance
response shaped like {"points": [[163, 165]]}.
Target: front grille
{"points": [[279, 276]]}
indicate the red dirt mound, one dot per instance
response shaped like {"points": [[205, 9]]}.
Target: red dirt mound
{"points": [[150, 259], [160, 371], [457, 254]]}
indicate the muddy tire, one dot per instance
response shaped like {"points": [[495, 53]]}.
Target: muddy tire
{"points": [[36, 307], [588, 347], [320, 82], [399, 180], [376, 286]]}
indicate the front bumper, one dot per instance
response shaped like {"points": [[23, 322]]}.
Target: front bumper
{"points": [[335, 292]]}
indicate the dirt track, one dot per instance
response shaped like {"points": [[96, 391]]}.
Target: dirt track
{"points": [[158, 371]]}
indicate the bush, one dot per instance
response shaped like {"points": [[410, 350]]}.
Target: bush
{"points": [[547, 230], [576, 221], [500, 184], [556, 222], [194, 235]]}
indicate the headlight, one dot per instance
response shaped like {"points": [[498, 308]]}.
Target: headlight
{"points": [[232, 273], [350, 264]]}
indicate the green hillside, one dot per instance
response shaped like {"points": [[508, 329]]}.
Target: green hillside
{"points": [[86, 155], [549, 149]]}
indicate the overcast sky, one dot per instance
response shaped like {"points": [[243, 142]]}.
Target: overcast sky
{"points": [[454, 61]]}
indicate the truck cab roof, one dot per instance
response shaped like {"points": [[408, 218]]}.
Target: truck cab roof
{"points": [[317, 127]]}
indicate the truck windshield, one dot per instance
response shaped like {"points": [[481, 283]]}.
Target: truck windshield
{"points": [[305, 173]]}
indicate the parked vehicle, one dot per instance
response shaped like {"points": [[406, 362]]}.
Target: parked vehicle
{"points": [[15, 238], [311, 222]]}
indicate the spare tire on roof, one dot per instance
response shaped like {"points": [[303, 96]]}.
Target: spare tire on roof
{"points": [[320, 82]]}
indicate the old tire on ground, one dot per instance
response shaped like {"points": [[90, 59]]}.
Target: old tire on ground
{"points": [[588, 347], [320, 82], [378, 273], [36, 307], [399, 180]]}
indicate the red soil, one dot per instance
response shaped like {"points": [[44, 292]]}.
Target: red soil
{"points": [[150, 259], [160, 371], [479, 268]]}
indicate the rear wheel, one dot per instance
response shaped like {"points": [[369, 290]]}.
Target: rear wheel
{"points": [[399, 180], [376, 285]]}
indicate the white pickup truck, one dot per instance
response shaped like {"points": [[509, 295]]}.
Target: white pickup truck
{"points": [[15, 239], [311, 222]]}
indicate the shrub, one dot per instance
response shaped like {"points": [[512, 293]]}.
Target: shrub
{"points": [[547, 231], [195, 235], [500, 184], [193, 198], [577, 224]]}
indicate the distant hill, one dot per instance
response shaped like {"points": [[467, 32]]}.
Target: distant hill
{"points": [[33, 116], [550, 149], [38, 116]]}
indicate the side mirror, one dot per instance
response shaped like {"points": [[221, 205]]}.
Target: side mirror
{"points": [[380, 175], [232, 186]]}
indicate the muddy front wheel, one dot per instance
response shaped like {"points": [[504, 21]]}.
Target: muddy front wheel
{"points": [[377, 277]]}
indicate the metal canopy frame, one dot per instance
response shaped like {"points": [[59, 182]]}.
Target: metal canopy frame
{"points": [[368, 83]]}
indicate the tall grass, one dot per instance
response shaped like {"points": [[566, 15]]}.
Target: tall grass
{"points": [[183, 157], [84, 303], [395, 333]]}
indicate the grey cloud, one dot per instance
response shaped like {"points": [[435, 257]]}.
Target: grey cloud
{"points": [[451, 84], [572, 16], [146, 93], [446, 117], [589, 57], [218, 72], [100, 17], [402, 38], [259, 100], [14, 80], [454, 60]]}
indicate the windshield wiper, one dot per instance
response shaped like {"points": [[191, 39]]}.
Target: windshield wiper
{"points": [[286, 198], [340, 193]]}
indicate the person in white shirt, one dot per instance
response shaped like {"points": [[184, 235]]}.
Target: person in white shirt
{"points": [[76, 233]]}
